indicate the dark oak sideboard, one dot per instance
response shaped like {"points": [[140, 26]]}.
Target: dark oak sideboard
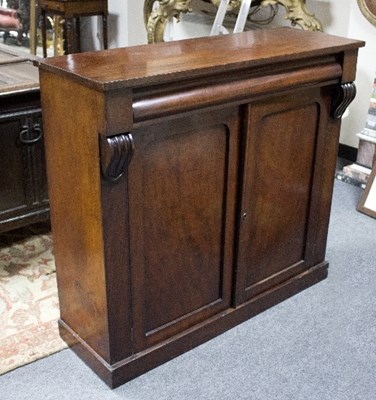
{"points": [[23, 182], [190, 186]]}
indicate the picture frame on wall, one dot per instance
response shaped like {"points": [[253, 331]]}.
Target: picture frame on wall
{"points": [[367, 202], [368, 9]]}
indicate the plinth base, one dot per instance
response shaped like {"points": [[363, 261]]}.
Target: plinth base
{"points": [[125, 370]]}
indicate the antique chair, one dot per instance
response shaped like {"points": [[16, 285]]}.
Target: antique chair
{"points": [[71, 11]]}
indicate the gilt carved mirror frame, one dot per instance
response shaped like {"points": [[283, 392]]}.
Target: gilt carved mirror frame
{"points": [[368, 9]]}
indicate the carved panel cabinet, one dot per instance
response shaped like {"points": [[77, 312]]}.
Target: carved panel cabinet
{"points": [[23, 182], [190, 186]]}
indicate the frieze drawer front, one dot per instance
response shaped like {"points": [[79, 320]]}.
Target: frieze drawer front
{"points": [[190, 185]]}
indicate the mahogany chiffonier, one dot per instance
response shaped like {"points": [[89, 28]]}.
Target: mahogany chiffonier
{"points": [[23, 182], [190, 186]]}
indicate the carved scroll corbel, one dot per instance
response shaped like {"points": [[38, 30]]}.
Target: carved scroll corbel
{"points": [[115, 155], [343, 95]]}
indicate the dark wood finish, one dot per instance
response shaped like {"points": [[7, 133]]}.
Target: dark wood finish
{"points": [[276, 212], [23, 182], [193, 209], [189, 191], [71, 11]]}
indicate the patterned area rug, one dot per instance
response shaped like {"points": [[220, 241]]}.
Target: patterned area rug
{"points": [[28, 299]]}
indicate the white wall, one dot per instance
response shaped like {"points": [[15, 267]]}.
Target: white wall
{"points": [[339, 17], [360, 28], [344, 18], [117, 25], [137, 31]]}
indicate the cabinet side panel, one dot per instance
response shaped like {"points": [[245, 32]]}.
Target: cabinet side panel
{"points": [[70, 117], [178, 184], [116, 238]]}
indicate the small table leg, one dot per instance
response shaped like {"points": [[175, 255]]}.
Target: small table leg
{"points": [[78, 36], [69, 34], [44, 33], [105, 34], [33, 27]]}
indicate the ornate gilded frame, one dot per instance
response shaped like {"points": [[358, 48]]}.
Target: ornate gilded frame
{"points": [[368, 9], [156, 18]]}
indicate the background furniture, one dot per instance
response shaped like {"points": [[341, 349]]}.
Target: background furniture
{"points": [[359, 172], [156, 18], [189, 191], [367, 202], [28, 15], [10, 21], [23, 183], [72, 10], [368, 8], [34, 17]]}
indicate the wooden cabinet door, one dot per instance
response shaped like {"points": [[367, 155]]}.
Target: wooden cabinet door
{"points": [[280, 206], [182, 188]]}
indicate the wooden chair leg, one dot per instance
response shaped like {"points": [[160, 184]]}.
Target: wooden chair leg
{"points": [[105, 33], [77, 36], [33, 27], [44, 32], [69, 34]]}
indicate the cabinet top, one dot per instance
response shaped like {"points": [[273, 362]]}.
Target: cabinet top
{"points": [[160, 63]]}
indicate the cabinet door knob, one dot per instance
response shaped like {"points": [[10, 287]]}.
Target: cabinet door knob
{"points": [[25, 133], [244, 216]]}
